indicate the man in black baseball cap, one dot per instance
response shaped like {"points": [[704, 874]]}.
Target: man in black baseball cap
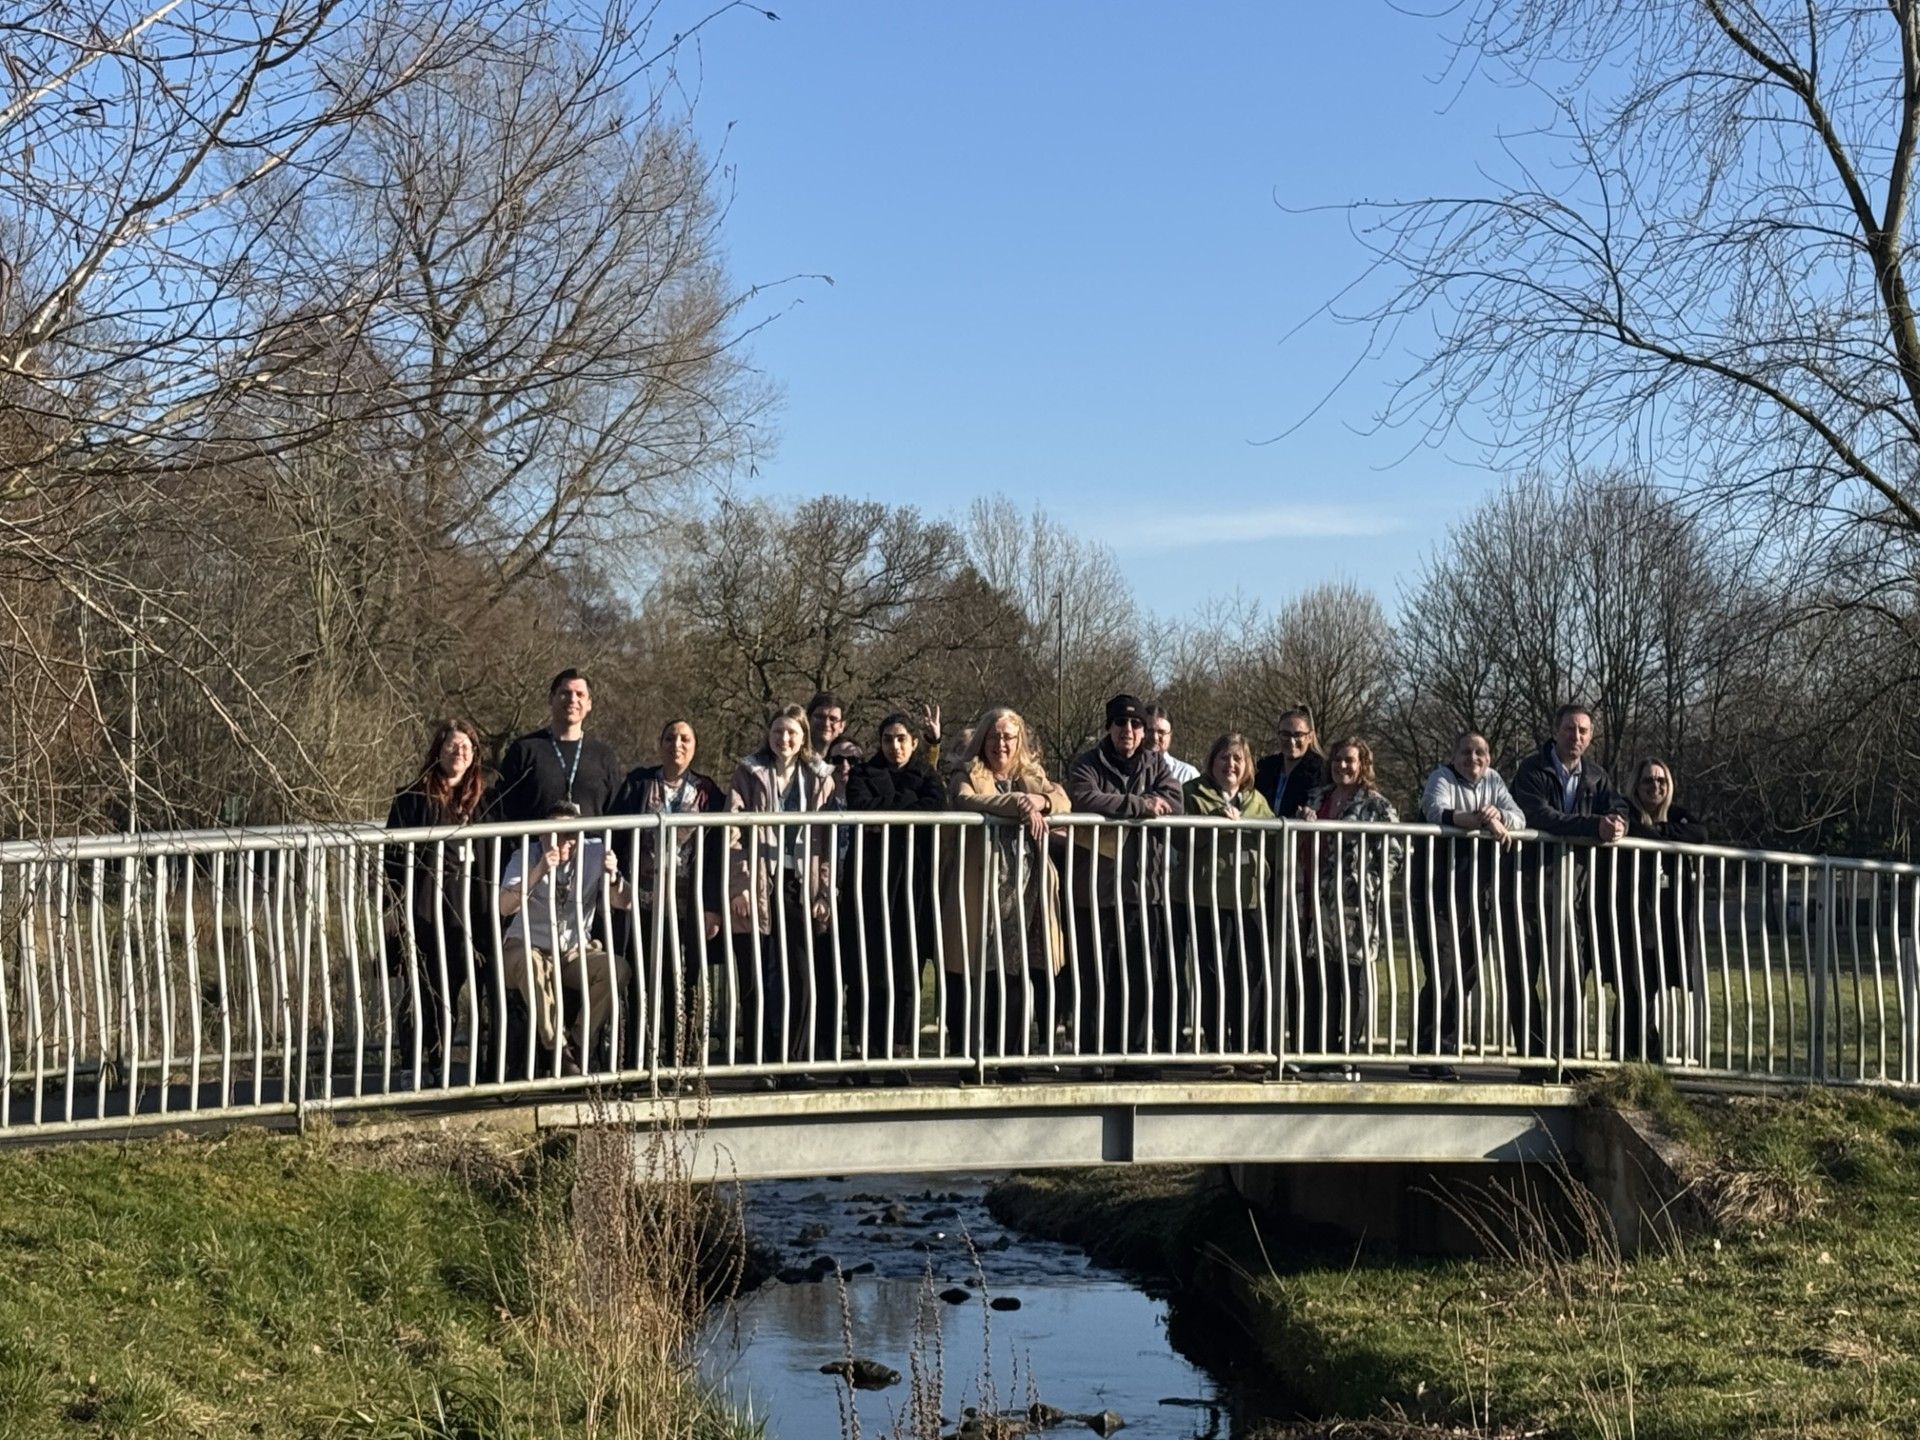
{"points": [[1122, 779]]}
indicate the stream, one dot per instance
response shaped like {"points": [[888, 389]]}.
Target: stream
{"points": [[1074, 1335]]}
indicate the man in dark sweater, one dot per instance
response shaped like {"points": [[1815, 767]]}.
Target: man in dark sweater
{"points": [[1116, 918], [1566, 793], [557, 764]]}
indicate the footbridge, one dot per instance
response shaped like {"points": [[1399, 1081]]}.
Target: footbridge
{"points": [[1047, 1125], [872, 992]]}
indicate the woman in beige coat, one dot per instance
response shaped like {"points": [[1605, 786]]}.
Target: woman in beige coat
{"points": [[1001, 895]]}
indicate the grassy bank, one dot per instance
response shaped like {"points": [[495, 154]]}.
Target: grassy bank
{"points": [[1796, 1316], [265, 1285]]}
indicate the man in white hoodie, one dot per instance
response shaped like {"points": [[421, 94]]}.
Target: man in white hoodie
{"points": [[1453, 892]]}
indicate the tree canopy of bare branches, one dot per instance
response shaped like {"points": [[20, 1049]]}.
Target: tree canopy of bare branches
{"points": [[335, 336], [1699, 268]]}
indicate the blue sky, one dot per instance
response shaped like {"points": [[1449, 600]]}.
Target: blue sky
{"points": [[1061, 270]]}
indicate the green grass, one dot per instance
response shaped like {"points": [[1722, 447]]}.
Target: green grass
{"points": [[1799, 1316], [263, 1285], [1802, 1325]]}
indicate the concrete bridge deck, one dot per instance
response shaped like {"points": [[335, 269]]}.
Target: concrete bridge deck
{"points": [[1037, 1126]]}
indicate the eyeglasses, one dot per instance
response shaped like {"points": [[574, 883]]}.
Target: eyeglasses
{"points": [[1296, 734], [1132, 722], [1163, 734]]}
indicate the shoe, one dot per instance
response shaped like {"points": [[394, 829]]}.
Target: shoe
{"points": [[1329, 1072], [1433, 1072]]}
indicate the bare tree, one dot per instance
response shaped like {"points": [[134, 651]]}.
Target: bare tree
{"points": [[1084, 640], [765, 604], [331, 333], [1700, 270]]}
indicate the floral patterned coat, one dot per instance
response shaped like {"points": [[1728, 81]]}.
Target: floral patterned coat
{"points": [[1355, 868]]}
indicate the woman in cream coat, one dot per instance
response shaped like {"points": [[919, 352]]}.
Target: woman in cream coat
{"points": [[1001, 895]]}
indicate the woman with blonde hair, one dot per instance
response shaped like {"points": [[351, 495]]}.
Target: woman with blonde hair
{"points": [[1228, 872], [1002, 895], [1652, 895]]}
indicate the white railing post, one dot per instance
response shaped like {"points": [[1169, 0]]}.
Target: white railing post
{"points": [[1822, 960]]}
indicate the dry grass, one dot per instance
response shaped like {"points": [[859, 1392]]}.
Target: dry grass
{"points": [[622, 1273]]}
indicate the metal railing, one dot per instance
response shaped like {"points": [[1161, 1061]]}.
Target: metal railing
{"points": [[272, 972]]}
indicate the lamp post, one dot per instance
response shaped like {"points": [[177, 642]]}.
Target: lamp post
{"points": [[1060, 675]]}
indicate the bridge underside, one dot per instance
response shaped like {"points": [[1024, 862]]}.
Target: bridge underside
{"points": [[1029, 1126]]}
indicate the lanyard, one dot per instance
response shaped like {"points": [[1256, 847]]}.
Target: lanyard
{"points": [[560, 755]]}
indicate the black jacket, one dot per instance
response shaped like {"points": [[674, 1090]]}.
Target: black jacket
{"points": [[1308, 776], [438, 868], [875, 785], [1665, 885], [1536, 786], [1679, 827], [534, 776], [881, 866]]}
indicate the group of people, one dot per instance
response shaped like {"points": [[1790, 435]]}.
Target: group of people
{"points": [[1050, 935]]}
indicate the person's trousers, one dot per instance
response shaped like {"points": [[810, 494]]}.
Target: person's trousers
{"points": [[1124, 981], [1550, 958], [1004, 1016], [1333, 1003], [791, 1002], [1227, 980], [569, 1013], [884, 1008], [429, 975], [676, 985], [1450, 928]]}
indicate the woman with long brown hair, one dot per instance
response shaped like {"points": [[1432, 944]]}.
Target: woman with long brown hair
{"points": [[437, 892], [1352, 869], [782, 899]]}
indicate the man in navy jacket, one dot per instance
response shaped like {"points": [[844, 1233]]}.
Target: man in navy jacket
{"points": [[1564, 792]]}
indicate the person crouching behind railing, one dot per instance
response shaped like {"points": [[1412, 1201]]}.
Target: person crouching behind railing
{"points": [[1228, 870], [1353, 871], [886, 882], [551, 893], [1000, 936], [1452, 884], [782, 899], [1654, 897], [436, 898]]}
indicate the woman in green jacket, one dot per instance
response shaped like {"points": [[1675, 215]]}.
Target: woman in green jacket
{"points": [[1222, 875]]}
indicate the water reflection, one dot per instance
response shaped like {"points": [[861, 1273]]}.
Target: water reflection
{"points": [[1082, 1339]]}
